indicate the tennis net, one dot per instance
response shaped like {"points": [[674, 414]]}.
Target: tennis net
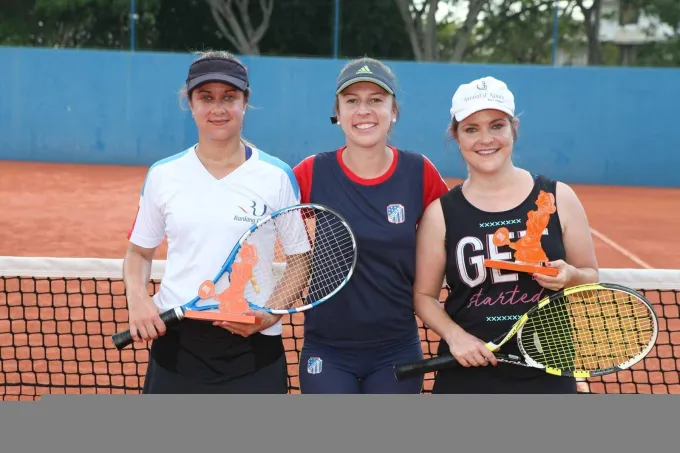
{"points": [[57, 316]]}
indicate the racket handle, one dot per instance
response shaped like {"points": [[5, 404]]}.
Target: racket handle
{"points": [[124, 339], [406, 370]]}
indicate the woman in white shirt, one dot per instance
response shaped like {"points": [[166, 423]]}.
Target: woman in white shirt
{"points": [[203, 199]]}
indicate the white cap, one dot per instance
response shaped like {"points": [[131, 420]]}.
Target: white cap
{"points": [[482, 94]]}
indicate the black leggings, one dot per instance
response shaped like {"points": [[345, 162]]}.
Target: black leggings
{"points": [[271, 379]]}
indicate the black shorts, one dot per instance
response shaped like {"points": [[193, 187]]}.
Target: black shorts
{"points": [[197, 357], [270, 379], [504, 379]]}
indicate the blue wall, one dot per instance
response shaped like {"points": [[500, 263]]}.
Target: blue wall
{"points": [[579, 125]]}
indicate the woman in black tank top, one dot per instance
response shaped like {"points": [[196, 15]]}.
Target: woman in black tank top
{"points": [[455, 236]]}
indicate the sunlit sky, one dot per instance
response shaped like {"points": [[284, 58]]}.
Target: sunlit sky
{"points": [[608, 29], [459, 9]]}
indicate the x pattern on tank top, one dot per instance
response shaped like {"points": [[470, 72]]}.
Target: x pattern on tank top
{"points": [[484, 301]]}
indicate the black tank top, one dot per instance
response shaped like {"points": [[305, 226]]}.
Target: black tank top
{"points": [[486, 302]]}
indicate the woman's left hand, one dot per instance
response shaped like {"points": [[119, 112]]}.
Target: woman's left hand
{"points": [[263, 321], [565, 274]]}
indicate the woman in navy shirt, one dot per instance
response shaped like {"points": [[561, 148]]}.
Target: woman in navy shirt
{"points": [[352, 342]]}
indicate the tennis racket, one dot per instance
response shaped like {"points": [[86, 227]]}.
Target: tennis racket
{"points": [[583, 331], [289, 261]]}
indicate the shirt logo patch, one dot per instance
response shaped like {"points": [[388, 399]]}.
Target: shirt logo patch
{"points": [[314, 365], [396, 213], [253, 209], [252, 214]]}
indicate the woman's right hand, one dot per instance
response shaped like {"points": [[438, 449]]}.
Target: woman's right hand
{"points": [[145, 319], [469, 350]]}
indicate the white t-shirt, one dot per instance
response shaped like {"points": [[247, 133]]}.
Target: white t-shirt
{"points": [[204, 217]]}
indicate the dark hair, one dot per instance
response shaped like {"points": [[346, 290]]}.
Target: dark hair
{"points": [[224, 55]]}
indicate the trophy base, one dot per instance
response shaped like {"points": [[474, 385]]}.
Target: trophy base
{"points": [[220, 316], [521, 267]]}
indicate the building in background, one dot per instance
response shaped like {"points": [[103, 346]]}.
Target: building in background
{"points": [[628, 28]]}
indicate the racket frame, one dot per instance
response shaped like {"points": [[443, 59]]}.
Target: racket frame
{"points": [[601, 372], [447, 361], [226, 267], [175, 314]]}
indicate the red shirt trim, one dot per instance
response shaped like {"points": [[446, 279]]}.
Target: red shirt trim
{"points": [[433, 183], [303, 173], [369, 181]]}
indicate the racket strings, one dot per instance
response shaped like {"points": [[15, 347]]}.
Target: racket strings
{"points": [[333, 247], [618, 327], [547, 337], [303, 256], [591, 330]]}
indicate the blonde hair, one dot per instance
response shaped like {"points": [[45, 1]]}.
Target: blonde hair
{"points": [[224, 55]]}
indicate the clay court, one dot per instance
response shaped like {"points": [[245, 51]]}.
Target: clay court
{"points": [[64, 210], [55, 340]]}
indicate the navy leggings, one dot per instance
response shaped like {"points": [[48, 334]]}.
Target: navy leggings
{"points": [[326, 369]]}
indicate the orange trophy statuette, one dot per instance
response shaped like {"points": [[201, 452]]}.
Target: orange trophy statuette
{"points": [[529, 255], [232, 301]]}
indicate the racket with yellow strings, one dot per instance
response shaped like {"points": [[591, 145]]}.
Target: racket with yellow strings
{"points": [[583, 331]]}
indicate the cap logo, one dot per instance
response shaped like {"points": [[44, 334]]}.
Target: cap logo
{"points": [[364, 70], [492, 96], [482, 85]]}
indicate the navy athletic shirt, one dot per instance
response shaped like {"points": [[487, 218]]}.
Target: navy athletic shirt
{"points": [[376, 306]]}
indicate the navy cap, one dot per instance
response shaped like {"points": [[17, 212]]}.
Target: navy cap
{"points": [[217, 70], [365, 71]]}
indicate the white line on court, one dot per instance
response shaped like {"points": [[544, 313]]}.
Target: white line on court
{"points": [[622, 250]]}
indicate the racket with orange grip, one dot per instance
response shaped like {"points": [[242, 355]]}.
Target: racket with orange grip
{"points": [[290, 261]]}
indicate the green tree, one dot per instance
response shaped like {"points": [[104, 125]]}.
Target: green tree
{"points": [[14, 17], [242, 22], [663, 53], [76, 23], [373, 28], [187, 26], [521, 32], [305, 28]]}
